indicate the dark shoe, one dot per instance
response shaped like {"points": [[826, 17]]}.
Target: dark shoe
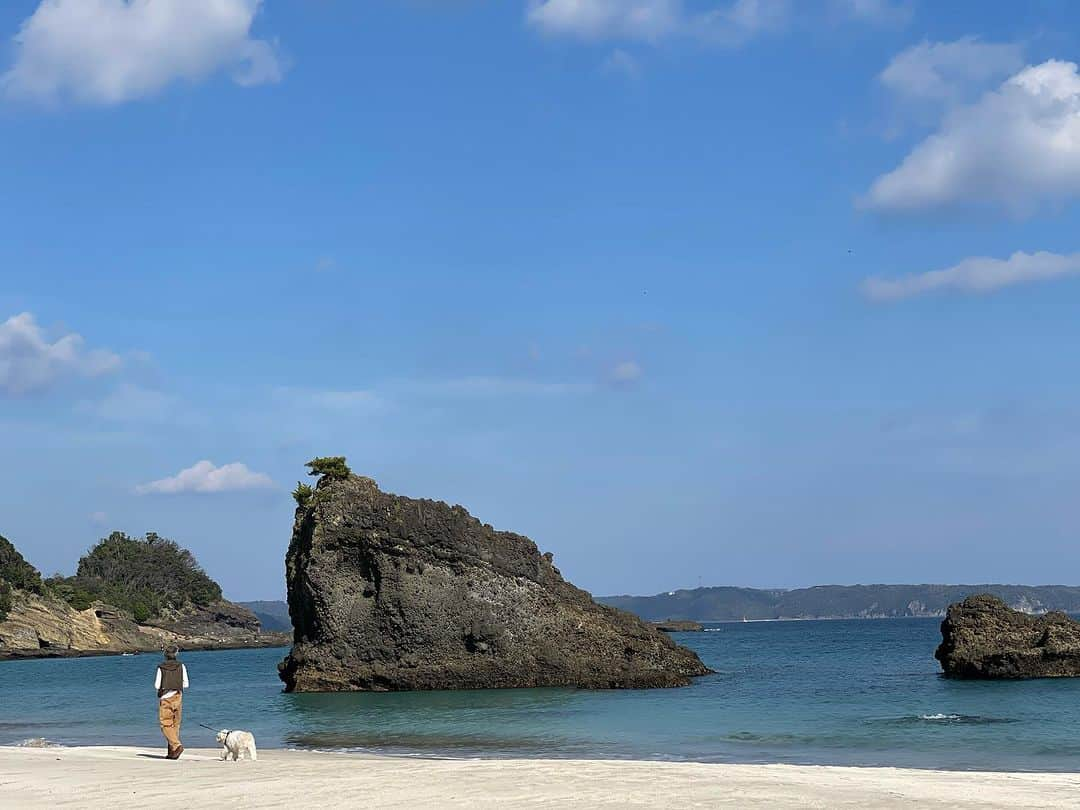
{"points": [[179, 750]]}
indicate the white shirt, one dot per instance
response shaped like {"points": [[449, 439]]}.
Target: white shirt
{"points": [[170, 693]]}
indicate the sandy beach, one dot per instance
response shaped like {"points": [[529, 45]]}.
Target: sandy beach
{"points": [[138, 778]]}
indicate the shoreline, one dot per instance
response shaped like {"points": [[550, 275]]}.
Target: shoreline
{"points": [[61, 653], [129, 777]]}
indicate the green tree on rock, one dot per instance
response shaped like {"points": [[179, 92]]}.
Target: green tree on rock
{"points": [[15, 570], [333, 468], [144, 576], [303, 494]]}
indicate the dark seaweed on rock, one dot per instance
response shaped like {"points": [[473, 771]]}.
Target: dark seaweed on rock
{"points": [[392, 593]]}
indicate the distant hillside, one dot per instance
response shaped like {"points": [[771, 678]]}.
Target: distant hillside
{"points": [[837, 601], [274, 616], [128, 595]]}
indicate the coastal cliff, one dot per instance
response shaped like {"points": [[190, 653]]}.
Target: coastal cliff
{"points": [[983, 638], [392, 593], [43, 627], [62, 618]]}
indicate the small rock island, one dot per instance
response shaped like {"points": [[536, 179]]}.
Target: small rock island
{"points": [[391, 593], [678, 626], [982, 637]]}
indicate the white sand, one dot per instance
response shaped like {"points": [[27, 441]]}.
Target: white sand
{"points": [[116, 778]]}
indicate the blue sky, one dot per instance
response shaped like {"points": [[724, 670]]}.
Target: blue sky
{"points": [[761, 293]]}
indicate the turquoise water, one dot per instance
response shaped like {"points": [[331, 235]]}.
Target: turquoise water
{"points": [[838, 692]]}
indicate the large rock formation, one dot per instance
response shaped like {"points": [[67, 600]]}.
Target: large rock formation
{"points": [[983, 638], [391, 593]]}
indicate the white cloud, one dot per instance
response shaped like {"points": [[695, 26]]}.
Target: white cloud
{"points": [[204, 477], [599, 19], [881, 12], [626, 372], [947, 71], [30, 363], [112, 51], [1015, 148], [99, 518], [978, 274], [742, 20], [725, 21], [392, 393], [650, 20]]}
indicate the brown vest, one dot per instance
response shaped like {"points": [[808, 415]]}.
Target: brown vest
{"points": [[172, 677]]}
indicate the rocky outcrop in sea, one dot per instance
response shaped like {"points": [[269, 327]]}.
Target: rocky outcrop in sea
{"points": [[678, 626], [393, 593], [982, 637]]}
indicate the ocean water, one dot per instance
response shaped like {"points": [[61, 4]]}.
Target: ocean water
{"points": [[819, 692]]}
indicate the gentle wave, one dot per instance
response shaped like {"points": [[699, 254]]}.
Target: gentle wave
{"points": [[37, 742], [29, 725], [752, 737], [433, 743], [944, 718]]}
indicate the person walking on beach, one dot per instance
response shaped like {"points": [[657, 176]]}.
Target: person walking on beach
{"points": [[171, 681]]}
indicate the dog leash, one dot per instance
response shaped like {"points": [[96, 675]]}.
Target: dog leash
{"points": [[224, 742]]}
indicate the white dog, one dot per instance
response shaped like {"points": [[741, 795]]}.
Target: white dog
{"points": [[238, 743]]}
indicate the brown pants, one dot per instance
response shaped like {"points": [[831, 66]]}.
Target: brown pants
{"points": [[169, 712]]}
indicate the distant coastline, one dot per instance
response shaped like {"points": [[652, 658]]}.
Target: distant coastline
{"points": [[729, 604], [734, 604]]}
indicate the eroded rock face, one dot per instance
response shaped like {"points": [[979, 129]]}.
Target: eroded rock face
{"points": [[982, 637], [217, 621], [39, 626], [35, 622], [391, 593]]}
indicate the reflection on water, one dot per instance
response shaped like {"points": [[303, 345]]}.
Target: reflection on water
{"points": [[458, 723]]}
